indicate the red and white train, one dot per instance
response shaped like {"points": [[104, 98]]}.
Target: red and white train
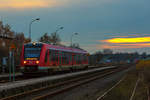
{"points": [[41, 57]]}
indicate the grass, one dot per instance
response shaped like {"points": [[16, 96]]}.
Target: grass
{"points": [[141, 92], [124, 90]]}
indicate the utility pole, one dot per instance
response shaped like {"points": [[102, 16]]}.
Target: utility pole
{"points": [[11, 58], [72, 38], [12, 62], [37, 19]]}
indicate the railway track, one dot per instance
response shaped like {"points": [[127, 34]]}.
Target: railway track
{"points": [[58, 88], [22, 77]]}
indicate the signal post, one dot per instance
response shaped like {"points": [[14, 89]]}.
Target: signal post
{"points": [[11, 62]]}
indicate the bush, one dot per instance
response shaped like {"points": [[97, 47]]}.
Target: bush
{"points": [[143, 64], [143, 67]]}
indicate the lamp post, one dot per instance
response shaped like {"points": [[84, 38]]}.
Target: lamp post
{"points": [[59, 28], [72, 38], [55, 34], [37, 19]]}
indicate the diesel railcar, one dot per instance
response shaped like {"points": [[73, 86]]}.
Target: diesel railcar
{"points": [[42, 57]]}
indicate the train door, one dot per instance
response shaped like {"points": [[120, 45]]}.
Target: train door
{"points": [[63, 58], [72, 61], [53, 58], [56, 58], [46, 58], [74, 58], [70, 58], [60, 58]]}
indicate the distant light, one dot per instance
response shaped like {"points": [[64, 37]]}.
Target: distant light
{"points": [[37, 62], [25, 62], [34, 43]]}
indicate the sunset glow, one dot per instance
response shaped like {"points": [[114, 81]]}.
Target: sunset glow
{"points": [[123, 46], [125, 43], [28, 3], [128, 40]]}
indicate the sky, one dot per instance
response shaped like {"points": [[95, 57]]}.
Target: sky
{"points": [[120, 25]]}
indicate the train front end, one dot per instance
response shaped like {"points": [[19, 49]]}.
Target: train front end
{"points": [[30, 57]]}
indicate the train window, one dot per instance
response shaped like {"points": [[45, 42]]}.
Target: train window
{"points": [[46, 56], [68, 57], [60, 55], [75, 58], [65, 57], [85, 58], [54, 55], [50, 55], [32, 52], [79, 57]]}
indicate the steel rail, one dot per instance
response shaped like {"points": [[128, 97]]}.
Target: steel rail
{"points": [[135, 87], [21, 95], [105, 93], [75, 84]]}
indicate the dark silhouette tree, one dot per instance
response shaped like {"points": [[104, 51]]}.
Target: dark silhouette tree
{"points": [[9, 37], [52, 39], [45, 39], [55, 39], [75, 45]]}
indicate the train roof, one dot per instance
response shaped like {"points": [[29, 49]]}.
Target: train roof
{"points": [[61, 48]]}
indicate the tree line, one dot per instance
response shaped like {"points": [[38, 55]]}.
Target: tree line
{"points": [[107, 56], [9, 38]]}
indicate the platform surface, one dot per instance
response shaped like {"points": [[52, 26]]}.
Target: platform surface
{"points": [[16, 84]]}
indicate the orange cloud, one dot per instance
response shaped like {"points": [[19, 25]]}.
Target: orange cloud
{"points": [[123, 46], [29, 3], [128, 40]]}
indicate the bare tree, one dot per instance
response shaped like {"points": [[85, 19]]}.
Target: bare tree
{"points": [[55, 39], [107, 51], [52, 39], [45, 38], [75, 45]]}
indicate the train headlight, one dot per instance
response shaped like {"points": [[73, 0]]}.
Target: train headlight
{"points": [[34, 43], [25, 62], [37, 62]]}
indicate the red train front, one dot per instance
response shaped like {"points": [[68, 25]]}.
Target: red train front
{"points": [[41, 57]]}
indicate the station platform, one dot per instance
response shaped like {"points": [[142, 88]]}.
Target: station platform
{"points": [[7, 75], [16, 85]]}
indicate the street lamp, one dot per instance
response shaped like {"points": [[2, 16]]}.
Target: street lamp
{"points": [[55, 34], [37, 19], [72, 37], [59, 28]]}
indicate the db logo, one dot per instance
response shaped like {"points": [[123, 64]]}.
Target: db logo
{"points": [[30, 62]]}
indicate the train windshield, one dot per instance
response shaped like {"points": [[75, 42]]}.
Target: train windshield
{"points": [[32, 52]]}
